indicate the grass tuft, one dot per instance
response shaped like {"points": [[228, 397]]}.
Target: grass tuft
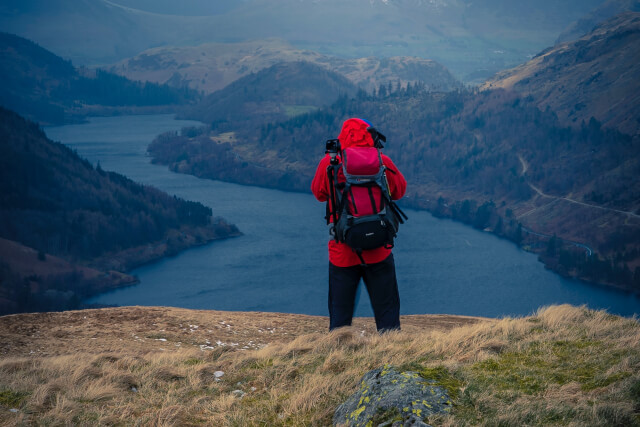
{"points": [[193, 361]]}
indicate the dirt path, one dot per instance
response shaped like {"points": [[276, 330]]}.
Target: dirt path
{"points": [[525, 168], [150, 329]]}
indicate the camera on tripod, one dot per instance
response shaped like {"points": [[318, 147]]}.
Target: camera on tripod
{"points": [[332, 148]]}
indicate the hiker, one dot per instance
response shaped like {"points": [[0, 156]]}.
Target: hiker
{"points": [[347, 265]]}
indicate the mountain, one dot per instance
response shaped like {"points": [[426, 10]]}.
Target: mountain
{"points": [[183, 8], [605, 11], [274, 93], [596, 76], [213, 66], [472, 39], [85, 31], [60, 205], [163, 365], [44, 87]]}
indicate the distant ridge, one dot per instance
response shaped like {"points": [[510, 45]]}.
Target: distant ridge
{"points": [[210, 67], [44, 87], [472, 39]]}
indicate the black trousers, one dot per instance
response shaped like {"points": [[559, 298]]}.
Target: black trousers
{"points": [[382, 286]]}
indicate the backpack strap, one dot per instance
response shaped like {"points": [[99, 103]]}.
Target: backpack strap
{"points": [[393, 207], [373, 200], [353, 200]]}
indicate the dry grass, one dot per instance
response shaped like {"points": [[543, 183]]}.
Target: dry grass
{"points": [[563, 366]]}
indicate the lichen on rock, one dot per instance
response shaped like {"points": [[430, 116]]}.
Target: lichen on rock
{"points": [[387, 397]]}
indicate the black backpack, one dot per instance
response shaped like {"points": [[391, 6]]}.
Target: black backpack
{"points": [[364, 215]]}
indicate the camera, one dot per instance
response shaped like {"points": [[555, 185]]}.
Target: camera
{"points": [[332, 148]]}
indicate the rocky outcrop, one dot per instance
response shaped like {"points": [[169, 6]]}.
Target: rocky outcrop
{"points": [[390, 398]]}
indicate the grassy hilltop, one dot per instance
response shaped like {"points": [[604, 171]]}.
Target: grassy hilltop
{"points": [[146, 365]]}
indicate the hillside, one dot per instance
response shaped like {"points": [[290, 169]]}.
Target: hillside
{"points": [[213, 66], [591, 20], [472, 39], [594, 76], [157, 365], [31, 280], [58, 204], [44, 87], [271, 94]]}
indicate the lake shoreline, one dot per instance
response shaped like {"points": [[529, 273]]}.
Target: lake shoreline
{"points": [[124, 262], [132, 258], [533, 242]]}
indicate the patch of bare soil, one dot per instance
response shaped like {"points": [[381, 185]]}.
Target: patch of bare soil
{"points": [[153, 329]]}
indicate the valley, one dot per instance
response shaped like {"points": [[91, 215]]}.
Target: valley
{"points": [[544, 154], [163, 263], [464, 152]]}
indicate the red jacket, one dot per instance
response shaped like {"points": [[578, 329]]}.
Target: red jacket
{"points": [[354, 134]]}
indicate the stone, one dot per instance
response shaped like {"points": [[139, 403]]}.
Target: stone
{"points": [[388, 398], [411, 421]]}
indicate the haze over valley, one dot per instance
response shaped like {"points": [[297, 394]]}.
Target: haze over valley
{"points": [[472, 39]]}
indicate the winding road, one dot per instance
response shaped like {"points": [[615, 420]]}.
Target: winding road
{"points": [[525, 167]]}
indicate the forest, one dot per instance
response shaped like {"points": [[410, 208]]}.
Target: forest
{"points": [[59, 204]]}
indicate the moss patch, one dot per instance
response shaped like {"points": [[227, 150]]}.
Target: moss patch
{"points": [[437, 376], [12, 399], [440, 376], [539, 364]]}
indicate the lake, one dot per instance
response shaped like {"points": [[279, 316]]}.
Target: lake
{"points": [[280, 264]]}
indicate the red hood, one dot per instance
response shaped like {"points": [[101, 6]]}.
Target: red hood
{"points": [[354, 134]]}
